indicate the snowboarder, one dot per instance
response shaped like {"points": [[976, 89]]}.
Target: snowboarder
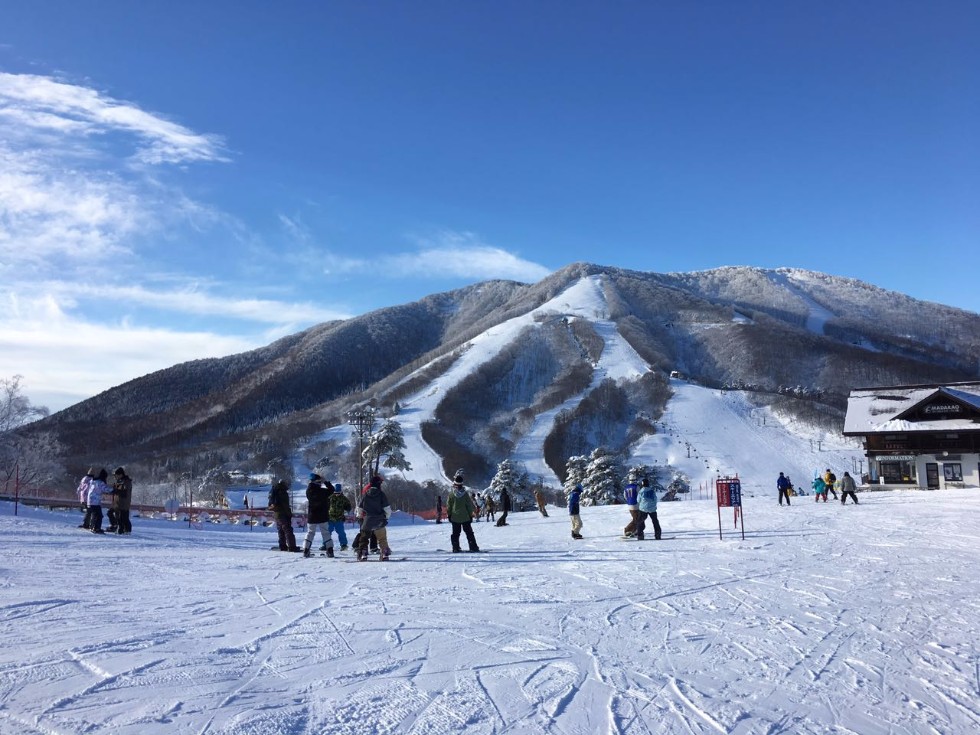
{"points": [[783, 485], [83, 496], [279, 505], [830, 479], [491, 508], [459, 511], [374, 512], [630, 493], [339, 508], [317, 513], [122, 497], [477, 512], [93, 501], [504, 507], [847, 488], [539, 499], [573, 511], [646, 502]]}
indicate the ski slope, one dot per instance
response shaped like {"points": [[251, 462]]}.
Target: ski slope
{"points": [[825, 619]]}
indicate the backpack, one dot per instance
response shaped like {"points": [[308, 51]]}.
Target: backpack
{"points": [[339, 505]]}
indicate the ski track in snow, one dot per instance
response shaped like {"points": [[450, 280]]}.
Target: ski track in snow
{"points": [[861, 619]]}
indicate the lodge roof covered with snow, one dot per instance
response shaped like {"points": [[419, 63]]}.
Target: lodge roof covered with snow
{"points": [[896, 409]]}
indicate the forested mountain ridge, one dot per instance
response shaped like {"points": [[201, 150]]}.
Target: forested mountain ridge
{"points": [[797, 338]]}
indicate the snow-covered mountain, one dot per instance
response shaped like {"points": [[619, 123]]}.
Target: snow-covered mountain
{"points": [[537, 373]]}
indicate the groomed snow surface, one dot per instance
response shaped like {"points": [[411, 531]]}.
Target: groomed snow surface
{"points": [[825, 619]]}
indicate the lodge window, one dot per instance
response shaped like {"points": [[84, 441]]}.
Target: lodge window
{"points": [[953, 472]]}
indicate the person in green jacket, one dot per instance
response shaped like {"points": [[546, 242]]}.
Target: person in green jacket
{"points": [[459, 511]]}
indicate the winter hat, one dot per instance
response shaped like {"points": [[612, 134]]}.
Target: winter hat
{"points": [[119, 471], [458, 479], [314, 476], [645, 482], [376, 481], [103, 475], [579, 487]]}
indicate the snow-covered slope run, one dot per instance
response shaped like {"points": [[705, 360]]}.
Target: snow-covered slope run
{"points": [[825, 619]]}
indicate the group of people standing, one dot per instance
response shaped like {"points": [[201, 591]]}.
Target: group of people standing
{"points": [[94, 488], [822, 485]]}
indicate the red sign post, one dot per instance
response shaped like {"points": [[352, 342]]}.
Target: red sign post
{"points": [[728, 491]]}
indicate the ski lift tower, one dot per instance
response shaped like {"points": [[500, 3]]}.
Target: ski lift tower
{"points": [[362, 419]]}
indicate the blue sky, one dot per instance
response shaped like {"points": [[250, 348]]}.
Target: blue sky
{"points": [[184, 179]]}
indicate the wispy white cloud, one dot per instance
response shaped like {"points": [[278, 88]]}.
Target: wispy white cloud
{"points": [[67, 358], [48, 104], [446, 254]]}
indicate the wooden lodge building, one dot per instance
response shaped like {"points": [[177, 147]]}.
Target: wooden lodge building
{"points": [[922, 435]]}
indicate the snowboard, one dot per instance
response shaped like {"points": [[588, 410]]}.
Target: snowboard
{"points": [[368, 560], [633, 538], [448, 551]]}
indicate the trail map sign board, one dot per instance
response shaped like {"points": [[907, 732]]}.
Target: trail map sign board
{"points": [[728, 491]]}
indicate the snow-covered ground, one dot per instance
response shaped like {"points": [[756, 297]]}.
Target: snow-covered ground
{"points": [[859, 619]]}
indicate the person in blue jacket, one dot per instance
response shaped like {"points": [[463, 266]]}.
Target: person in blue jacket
{"points": [[629, 495], [647, 506], [573, 511], [783, 486]]}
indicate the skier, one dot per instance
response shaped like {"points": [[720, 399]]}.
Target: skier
{"points": [[374, 512], [460, 510], [783, 485], [847, 488], [317, 513], [279, 505], [504, 507], [573, 511], [630, 493], [646, 502]]}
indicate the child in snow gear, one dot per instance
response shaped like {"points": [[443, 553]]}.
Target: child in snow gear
{"points": [[122, 496], [504, 507], [646, 502], [318, 497], [460, 510], [374, 512], [573, 511], [783, 486], [279, 505], [847, 488], [630, 493], [819, 489]]}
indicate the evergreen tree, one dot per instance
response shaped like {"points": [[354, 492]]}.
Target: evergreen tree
{"points": [[506, 477], [386, 444], [575, 469], [639, 472], [601, 485]]}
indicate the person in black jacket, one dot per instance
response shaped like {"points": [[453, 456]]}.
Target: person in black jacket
{"points": [[318, 513], [374, 512], [279, 505], [504, 507]]}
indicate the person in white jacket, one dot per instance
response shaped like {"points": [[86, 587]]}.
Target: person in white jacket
{"points": [[96, 489], [83, 495]]}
